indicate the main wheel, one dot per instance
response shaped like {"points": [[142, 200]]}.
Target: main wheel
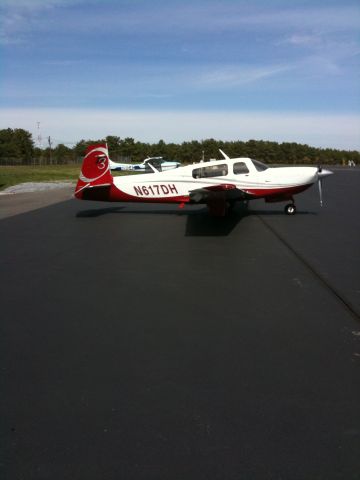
{"points": [[290, 209]]}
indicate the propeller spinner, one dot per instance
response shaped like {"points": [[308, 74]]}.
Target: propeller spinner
{"points": [[322, 173]]}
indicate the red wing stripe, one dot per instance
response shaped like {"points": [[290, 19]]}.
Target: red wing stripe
{"points": [[221, 187]]}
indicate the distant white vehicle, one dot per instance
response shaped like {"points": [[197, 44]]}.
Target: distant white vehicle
{"points": [[149, 165]]}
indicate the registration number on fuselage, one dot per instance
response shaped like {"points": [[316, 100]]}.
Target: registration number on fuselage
{"points": [[155, 190]]}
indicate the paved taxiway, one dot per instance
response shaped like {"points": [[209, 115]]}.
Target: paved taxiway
{"points": [[138, 342]]}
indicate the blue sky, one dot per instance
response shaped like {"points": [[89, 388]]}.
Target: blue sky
{"points": [[179, 70]]}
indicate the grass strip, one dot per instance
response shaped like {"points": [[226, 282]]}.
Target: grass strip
{"points": [[13, 175]]}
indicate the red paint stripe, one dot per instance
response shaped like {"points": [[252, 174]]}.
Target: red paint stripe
{"points": [[221, 187], [268, 192]]}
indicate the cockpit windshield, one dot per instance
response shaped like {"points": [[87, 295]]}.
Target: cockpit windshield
{"points": [[260, 167]]}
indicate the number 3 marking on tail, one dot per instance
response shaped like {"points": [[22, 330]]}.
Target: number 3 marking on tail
{"points": [[100, 162]]}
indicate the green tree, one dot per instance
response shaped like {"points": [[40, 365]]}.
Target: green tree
{"points": [[114, 145], [127, 146], [62, 154], [80, 147], [16, 144]]}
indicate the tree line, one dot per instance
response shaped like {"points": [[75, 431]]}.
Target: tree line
{"points": [[17, 147]]}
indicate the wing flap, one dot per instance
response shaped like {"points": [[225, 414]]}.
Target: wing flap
{"points": [[221, 192]]}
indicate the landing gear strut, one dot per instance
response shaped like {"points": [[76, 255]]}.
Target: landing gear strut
{"points": [[290, 209], [230, 206]]}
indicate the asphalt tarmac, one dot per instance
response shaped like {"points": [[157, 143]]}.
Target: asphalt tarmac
{"points": [[147, 342]]}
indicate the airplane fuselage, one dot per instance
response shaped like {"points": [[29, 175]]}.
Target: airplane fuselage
{"points": [[177, 185]]}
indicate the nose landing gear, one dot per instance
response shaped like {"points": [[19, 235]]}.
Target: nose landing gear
{"points": [[290, 209]]}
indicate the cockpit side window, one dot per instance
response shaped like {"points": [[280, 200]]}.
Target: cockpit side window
{"points": [[240, 167], [260, 167], [210, 171]]}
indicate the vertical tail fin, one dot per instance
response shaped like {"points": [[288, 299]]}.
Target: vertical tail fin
{"points": [[95, 170]]}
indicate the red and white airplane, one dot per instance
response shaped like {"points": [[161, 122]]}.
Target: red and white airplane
{"points": [[217, 183]]}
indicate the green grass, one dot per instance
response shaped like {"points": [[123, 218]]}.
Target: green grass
{"points": [[19, 174], [45, 173]]}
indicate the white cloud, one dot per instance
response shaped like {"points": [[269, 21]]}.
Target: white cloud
{"points": [[229, 16], [19, 17], [337, 131], [302, 39], [334, 18], [235, 75], [38, 4], [210, 16], [197, 16]]}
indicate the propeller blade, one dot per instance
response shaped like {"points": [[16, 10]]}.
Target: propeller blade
{"points": [[320, 192]]}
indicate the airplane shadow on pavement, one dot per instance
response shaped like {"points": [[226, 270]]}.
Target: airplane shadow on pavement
{"points": [[204, 225], [198, 221], [98, 212]]}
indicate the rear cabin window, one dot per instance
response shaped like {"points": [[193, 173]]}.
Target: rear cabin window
{"points": [[240, 167], [210, 171]]}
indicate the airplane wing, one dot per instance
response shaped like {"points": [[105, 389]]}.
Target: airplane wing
{"points": [[226, 191], [217, 197], [152, 159], [152, 164], [126, 167], [158, 164]]}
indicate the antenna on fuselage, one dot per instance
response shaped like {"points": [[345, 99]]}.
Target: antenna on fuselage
{"points": [[224, 154]]}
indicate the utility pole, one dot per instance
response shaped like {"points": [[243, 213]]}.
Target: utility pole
{"points": [[38, 139], [50, 144]]}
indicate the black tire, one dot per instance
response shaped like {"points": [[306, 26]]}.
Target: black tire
{"points": [[290, 209]]}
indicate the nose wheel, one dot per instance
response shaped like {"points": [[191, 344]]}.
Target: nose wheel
{"points": [[290, 209]]}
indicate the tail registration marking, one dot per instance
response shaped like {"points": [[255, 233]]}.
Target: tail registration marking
{"points": [[155, 190]]}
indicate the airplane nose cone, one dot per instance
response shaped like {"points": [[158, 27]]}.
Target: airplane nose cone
{"points": [[322, 173]]}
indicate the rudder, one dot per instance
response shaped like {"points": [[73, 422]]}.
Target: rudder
{"points": [[95, 169]]}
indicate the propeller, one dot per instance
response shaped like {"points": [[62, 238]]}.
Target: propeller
{"points": [[320, 191], [322, 174]]}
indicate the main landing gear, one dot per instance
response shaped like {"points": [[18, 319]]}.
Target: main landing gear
{"points": [[290, 209]]}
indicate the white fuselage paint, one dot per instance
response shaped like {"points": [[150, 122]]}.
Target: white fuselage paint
{"points": [[180, 181]]}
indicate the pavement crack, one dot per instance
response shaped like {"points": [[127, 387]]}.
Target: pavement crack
{"points": [[331, 289]]}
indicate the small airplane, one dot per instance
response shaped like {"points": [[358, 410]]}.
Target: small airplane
{"points": [[217, 183], [159, 163]]}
